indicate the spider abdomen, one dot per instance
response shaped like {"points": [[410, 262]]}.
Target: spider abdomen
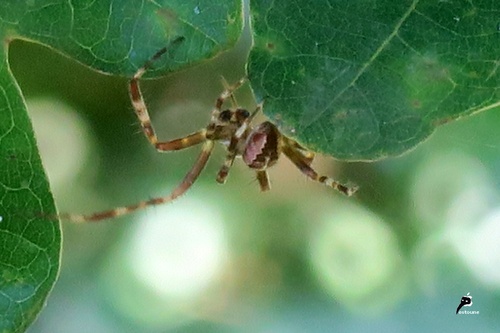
{"points": [[262, 147]]}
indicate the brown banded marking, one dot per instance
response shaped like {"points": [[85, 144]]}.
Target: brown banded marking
{"points": [[178, 144], [228, 92], [303, 164], [138, 103], [149, 63], [141, 111], [186, 183], [224, 170]]}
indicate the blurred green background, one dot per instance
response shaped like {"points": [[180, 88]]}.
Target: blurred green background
{"points": [[423, 230]]}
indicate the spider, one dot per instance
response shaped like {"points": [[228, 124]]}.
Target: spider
{"points": [[259, 146]]}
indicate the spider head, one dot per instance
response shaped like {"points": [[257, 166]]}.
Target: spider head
{"points": [[229, 122], [233, 117]]}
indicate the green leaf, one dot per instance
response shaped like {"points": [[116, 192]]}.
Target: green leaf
{"points": [[29, 247], [115, 37], [362, 80]]}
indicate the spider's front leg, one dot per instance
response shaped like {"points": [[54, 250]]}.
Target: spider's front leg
{"points": [[182, 188], [228, 162], [142, 113], [145, 121]]}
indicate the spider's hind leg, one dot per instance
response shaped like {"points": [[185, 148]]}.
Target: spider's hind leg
{"points": [[263, 179], [303, 162], [307, 155]]}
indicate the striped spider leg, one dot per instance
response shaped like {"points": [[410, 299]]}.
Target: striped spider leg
{"points": [[260, 147]]}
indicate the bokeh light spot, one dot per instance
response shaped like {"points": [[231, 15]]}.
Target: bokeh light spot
{"points": [[479, 247], [178, 251], [440, 180], [355, 255], [63, 138]]}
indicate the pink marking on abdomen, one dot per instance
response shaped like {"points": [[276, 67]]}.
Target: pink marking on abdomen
{"points": [[254, 147]]}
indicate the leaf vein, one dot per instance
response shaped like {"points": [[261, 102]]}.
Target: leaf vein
{"points": [[378, 51]]}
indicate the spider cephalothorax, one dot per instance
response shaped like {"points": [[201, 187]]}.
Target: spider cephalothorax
{"points": [[259, 146]]}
